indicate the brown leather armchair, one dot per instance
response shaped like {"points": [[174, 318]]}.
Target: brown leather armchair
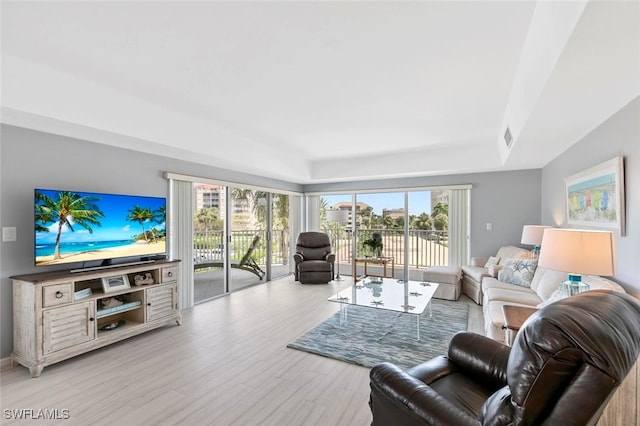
{"points": [[563, 368], [313, 258]]}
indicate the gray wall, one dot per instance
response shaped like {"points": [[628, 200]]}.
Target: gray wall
{"points": [[508, 200], [620, 135], [31, 159]]}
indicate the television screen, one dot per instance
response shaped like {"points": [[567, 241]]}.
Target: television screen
{"points": [[73, 226]]}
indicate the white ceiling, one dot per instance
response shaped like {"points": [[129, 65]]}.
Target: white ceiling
{"points": [[323, 91]]}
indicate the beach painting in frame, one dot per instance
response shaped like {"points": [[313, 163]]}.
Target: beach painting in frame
{"points": [[595, 197]]}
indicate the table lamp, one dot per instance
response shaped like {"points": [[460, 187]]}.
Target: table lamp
{"points": [[337, 216], [532, 236], [578, 251]]}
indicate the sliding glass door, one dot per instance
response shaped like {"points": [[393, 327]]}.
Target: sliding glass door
{"points": [[279, 236], [248, 237], [241, 238], [208, 241], [428, 228], [378, 220], [380, 232]]}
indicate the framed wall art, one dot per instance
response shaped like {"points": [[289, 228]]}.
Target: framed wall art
{"points": [[595, 197]]}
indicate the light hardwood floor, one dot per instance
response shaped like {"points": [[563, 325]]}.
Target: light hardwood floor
{"points": [[226, 365]]}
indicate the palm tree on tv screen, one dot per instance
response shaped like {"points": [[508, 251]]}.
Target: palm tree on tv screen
{"points": [[160, 214], [141, 215], [44, 215], [68, 209], [159, 217]]}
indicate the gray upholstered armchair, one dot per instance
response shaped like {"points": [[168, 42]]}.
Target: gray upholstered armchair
{"points": [[313, 258]]}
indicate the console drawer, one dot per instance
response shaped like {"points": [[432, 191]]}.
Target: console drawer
{"points": [[169, 274], [59, 294]]}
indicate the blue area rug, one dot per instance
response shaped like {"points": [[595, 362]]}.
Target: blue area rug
{"points": [[371, 336]]}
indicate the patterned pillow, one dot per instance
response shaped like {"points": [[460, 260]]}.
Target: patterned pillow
{"points": [[518, 271], [493, 260]]}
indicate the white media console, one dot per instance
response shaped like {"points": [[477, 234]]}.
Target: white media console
{"points": [[58, 315]]}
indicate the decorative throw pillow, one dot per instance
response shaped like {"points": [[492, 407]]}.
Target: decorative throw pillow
{"points": [[493, 260], [494, 269], [518, 271]]}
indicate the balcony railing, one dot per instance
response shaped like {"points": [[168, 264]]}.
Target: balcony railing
{"points": [[208, 246], [426, 247]]}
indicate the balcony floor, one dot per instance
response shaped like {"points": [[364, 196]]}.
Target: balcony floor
{"points": [[209, 284]]}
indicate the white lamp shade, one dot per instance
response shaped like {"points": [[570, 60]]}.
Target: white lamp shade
{"points": [[337, 216], [532, 234], [579, 251]]}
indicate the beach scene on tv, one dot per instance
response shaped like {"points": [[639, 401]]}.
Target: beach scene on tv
{"points": [[82, 226]]}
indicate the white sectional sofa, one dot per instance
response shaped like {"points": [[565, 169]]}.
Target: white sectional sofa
{"points": [[473, 274], [543, 288]]}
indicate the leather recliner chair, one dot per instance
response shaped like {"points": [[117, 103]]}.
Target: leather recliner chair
{"points": [[565, 364], [313, 258]]}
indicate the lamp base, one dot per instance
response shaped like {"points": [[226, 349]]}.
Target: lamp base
{"points": [[574, 285], [338, 278], [535, 252]]}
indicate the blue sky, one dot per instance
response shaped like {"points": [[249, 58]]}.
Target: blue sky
{"points": [[114, 227], [419, 201]]}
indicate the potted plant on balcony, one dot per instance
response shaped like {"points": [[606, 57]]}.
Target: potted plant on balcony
{"points": [[375, 244]]}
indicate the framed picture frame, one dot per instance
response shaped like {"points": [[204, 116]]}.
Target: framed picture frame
{"points": [[115, 283], [595, 196]]}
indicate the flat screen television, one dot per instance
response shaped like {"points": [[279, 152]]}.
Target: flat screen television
{"points": [[72, 227]]}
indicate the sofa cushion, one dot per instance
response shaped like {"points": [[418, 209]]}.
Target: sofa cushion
{"points": [[595, 282], [546, 281], [315, 266], [477, 273], [494, 269], [518, 271], [512, 296], [555, 296], [442, 274], [512, 252], [493, 260], [490, 282]]}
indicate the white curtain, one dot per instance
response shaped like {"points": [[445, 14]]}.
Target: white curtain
{"points": [[313, 213], [181, 235], [459, 218], [295, 225]]}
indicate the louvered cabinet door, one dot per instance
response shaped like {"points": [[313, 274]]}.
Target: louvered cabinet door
{"points": [[68, 326], [161, 302]]}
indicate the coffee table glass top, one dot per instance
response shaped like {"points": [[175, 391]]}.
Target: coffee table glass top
{"points": [[411, 297]]}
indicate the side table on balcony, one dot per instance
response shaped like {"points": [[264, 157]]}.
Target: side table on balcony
{"points": [[384, 261]]}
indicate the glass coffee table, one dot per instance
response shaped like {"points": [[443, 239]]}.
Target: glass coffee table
{"points": [[409, 297]]}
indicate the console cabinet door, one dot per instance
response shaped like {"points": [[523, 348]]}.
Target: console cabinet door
{"points": [[68, 326], [161, 302]]}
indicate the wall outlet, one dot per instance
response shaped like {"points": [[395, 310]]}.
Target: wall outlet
{"points": [[9, 233], [489, 226]]}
